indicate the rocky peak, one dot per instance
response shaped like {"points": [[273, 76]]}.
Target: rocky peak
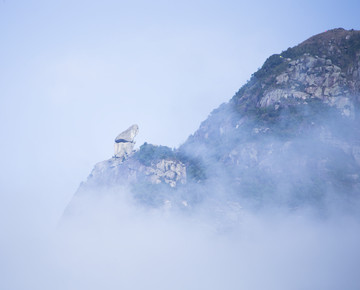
{"points": [[324, 67], [339, 45]]}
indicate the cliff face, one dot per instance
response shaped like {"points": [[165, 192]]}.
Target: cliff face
{"points": [[289, 136]]}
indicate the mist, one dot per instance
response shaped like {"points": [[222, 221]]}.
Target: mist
{"points": [[76, 73], [205, 235], [111, 242], [217, 234]]}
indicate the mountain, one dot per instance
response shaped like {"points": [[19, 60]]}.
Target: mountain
{"points": [[289, 137]]}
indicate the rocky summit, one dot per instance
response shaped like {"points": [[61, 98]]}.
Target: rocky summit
{"points": [[289, 137]]}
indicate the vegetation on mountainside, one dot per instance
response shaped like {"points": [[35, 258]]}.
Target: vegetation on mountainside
{"points": [[195, 167], [148, 153], [274, 65]]}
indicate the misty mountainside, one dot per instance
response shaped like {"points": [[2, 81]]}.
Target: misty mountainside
{"points": [[289, 137]]}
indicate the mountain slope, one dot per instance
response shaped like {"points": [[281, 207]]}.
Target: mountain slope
{"points": [[290, 136]]}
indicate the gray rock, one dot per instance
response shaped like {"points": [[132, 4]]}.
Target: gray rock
{"points": [[117, 172], [128, 135], [124, 142], [319, 78], [168, 171]]}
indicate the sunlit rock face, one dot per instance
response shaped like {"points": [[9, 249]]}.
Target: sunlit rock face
{"points": [[290, 136]]}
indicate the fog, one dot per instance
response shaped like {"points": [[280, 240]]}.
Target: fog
{"points": [[74, 74], [109, 239], [111, 242]]}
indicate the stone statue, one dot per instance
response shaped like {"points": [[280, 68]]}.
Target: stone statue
{"points": [[124, 142]]}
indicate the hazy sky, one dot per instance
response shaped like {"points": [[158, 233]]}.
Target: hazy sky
{"points": [[74, 74]]}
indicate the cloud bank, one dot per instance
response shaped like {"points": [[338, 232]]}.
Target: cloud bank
{"points": [[112, 243]]}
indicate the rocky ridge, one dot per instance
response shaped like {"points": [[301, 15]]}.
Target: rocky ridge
{"points": [[289, 136], [325, 67]]}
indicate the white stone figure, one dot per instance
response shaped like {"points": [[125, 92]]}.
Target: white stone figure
{"points": [[124, 142]]}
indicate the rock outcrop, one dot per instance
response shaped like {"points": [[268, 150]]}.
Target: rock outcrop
{"points": [[114, 171], [124, 142], [149, 165], [169, 171]]}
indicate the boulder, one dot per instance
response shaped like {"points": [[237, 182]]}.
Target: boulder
{"points": [[124, 142], [128, 135]]}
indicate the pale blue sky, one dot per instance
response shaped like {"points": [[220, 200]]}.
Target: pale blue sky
{"points": [[74, 74]]}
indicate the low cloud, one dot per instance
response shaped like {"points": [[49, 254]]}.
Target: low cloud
{"points": [[112, 243]]}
